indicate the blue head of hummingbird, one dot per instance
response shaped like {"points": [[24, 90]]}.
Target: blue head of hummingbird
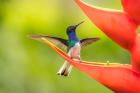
{"points": [[72, 37], [73, 45]]}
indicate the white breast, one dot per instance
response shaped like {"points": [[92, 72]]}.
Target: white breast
{"points": [[74, 52]]}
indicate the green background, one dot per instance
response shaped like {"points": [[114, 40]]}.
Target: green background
{"points": [[28, 66]]}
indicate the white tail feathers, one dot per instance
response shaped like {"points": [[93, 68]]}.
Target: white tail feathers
{"points": [[65, 69]]}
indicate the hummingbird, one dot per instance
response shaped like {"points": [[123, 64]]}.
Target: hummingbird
{"points": [[73, 45]]}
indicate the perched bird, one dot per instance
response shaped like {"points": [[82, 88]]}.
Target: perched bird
{"points": [[73, 45]]}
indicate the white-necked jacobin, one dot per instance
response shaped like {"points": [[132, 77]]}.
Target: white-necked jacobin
{"points": [[73, 45]]}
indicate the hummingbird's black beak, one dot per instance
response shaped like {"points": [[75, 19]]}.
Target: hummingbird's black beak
{"points": [[79, 24]]}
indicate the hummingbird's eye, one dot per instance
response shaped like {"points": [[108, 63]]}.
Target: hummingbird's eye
{"points": [[72, 28]]}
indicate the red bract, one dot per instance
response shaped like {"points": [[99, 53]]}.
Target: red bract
{"points": [[132, 7], [121, 27], [120, 78], [116, 24]]}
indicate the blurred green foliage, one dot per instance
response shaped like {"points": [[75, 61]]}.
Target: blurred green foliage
{"points": [[28, 66]]}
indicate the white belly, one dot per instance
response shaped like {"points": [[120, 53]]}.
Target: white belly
{"points": [[74, 52]]}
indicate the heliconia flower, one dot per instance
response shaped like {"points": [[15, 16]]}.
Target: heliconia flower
{"points": [[116, 24], [120, 78], [121, 27]]}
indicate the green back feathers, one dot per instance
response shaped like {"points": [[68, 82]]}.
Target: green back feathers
{"points": [[71, 43]]}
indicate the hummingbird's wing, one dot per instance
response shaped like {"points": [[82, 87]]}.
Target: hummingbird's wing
{"points": [[87, 41], [55, 40]]}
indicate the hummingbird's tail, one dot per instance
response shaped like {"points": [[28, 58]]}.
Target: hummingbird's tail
{"points": [[65, 69]]}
